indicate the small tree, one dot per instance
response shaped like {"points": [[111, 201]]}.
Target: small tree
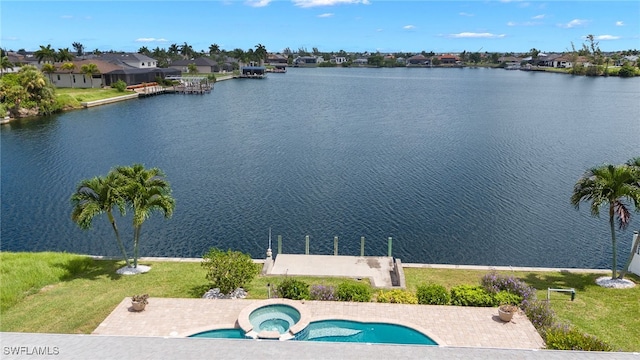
{"points": [[89, 70], [228, 270]]}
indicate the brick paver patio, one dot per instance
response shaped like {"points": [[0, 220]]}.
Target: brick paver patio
{"points": [[447, 325]]}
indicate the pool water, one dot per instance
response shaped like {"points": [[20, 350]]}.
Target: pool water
{"points": [[221, 334], [274, 318], [342, 331], [362, 332]]}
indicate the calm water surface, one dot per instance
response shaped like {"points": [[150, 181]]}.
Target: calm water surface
{"points": [[468, 166]]}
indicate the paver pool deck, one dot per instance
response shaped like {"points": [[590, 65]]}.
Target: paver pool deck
{"points": [[447, 325]]}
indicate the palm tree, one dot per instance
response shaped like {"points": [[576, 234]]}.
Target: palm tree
{"points": [[31, 80], [146, 190], [99, 196], [64, 55], [144, 50], [5, 64], [49, 69], [214, 49], [261, 53], [186, 50], [45, 54], [79, 48], [69, 66], [612, 185], [90, 69], [174, 49]]}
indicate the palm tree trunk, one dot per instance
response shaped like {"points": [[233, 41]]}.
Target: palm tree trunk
{"points": [[136, 237], [634, 249], [613, 240], [120, 245]]}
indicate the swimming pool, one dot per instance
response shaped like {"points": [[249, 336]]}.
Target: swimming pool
{"points": [[342, 331]]}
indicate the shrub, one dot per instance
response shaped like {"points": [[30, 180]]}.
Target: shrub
{"points": [[324, 293], [507, 298], [540, 314], [432, 294], [397, 297], [119, 85], [293, 289], [229, 270], [495, 283], [351, 291], [569, 338], [627, 70], [466, 295]]}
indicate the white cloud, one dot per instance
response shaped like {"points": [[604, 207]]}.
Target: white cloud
{"points": [[67, 16], [408, 27], [619, 23], [151, 40], [476, 35], [325, 15], [606, 37], [526, 23], [465, 14], [538, 17], [574, 23], [313, 3], [257, 3], [379, 30]]}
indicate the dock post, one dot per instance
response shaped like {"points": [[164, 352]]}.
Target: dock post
{"points": [[279, 244], [335, 245], [306, 245], [362, 246], [389, 251]]}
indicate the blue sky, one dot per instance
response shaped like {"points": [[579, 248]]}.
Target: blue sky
{"points": [[329, 25]]}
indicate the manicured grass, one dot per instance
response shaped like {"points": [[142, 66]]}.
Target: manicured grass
{"points": [[609, 314], [64, 293], [83, 95]]}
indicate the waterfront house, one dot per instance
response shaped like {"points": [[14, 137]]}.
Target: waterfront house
{"points": [[204, 65], [338, 60], [138, 76], [633, 59], [275, 59], [448, 59], [418, 60], [76, 79], [549, 60], [360, 61], [134, 60], [308, 61]]}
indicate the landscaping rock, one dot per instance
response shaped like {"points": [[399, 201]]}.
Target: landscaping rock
{"points": [[239, 293]]}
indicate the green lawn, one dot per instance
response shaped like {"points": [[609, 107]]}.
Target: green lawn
{"points": [[83, 95], [64, 293]]}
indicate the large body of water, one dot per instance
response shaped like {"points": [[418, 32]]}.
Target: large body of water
{"points": [[466, 166]]}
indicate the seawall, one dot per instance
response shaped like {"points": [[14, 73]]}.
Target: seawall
{"points": [[404, 265]]}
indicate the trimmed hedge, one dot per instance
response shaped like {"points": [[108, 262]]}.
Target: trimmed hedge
{"points": [[569, 338], [432, 294], [293, 289], [466, 295], [351, 291], [397, 297]]}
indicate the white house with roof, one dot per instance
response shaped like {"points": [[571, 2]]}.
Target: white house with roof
{"points": [[136, 60]]}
